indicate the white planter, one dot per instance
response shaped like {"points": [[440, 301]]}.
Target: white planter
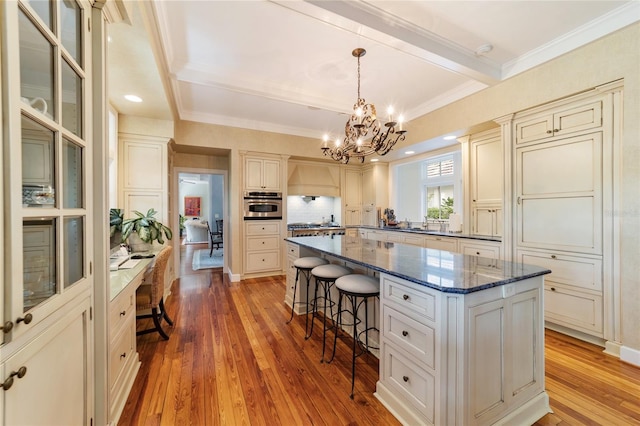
{"points": [[136, 244]]}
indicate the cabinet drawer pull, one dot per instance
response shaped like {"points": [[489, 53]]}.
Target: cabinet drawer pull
{"points": [[405, 333], [123, 355], [549, 131], [477, 253], [556, 130], [405, 378], [553, 289], [553, 256], [6, 385], [123, 313], [405, 296], [26, 319], [7, 327]]}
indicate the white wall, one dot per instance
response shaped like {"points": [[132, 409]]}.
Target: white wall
{"points": [[306, 210]]}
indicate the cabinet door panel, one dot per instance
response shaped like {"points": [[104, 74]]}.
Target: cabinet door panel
{"points": [[487, 171], [582, 272], [272, 174], [577, 310], [533, 129], [565, 167], [564, 223], [36, 398], [582, 117]]}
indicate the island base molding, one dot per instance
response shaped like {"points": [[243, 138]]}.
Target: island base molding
{"points": [[527, 414]]}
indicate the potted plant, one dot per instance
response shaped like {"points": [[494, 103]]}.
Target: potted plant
{"points": [[145, 227], [116, 217]]}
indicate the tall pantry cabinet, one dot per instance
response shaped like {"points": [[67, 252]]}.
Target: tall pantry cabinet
{"points": [[46, 347], [564, 181]]}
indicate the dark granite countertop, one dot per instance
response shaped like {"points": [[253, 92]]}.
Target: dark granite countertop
{"points": [[425, 232], [438, 269]]}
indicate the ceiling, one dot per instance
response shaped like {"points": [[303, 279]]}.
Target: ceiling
{"points": [[286, 66]]}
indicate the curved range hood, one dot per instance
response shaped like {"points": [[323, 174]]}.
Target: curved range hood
{"points": [[313, 180]]}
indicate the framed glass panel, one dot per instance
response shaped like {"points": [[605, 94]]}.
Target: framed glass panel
{"points": [[70, 31], [36, 68], [40, 260], [71, 99], [72, 174], [43, 10], [73, 243], [38, 165]]}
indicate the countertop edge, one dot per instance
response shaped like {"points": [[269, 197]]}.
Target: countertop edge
{"points": [[426, 283]]}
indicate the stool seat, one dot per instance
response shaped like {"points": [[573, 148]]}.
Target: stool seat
{"points": [[309, 262], [330, 271], [360, 285]]}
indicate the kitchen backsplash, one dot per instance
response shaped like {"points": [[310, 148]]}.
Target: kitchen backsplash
{"points": [[307, 209]]}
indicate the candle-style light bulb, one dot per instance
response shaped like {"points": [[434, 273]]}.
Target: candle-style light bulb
{"points": [[400, 121], [390, 112], [325, 139], [337, 142]]}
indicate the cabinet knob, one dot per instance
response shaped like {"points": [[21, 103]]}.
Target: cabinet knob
{"points": [[553, 256], [405, 296], [556, 130], [123, 355], [405, 333], [6, 385], [123, 313], [477, 253], [405, 378], [26, 319], [7, 327], [553, 289], [549, 132]]}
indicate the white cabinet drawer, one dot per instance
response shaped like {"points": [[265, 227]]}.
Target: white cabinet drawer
{"points": [[441, 243], [578, 310], [122, 348], [263, 243], [293, 250], [413, 383], [263, 228], [413, 336], [121, 309], [263, 261], [409, 299], [480, 249], [576, 271]]}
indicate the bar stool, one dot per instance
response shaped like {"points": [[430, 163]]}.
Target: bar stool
{"points": [[356, 286], [326, 276], [304, 265]]}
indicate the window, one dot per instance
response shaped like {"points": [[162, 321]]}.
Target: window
{"points": [[438, 181], [427, 190]]}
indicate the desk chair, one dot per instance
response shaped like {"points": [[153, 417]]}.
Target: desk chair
{"points": [[150, 296]]}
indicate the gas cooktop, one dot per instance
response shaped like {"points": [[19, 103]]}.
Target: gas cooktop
{"points": [[313, 225]]}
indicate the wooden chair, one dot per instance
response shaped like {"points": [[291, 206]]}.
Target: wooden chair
{"points": [[150, 296], [216, 237]]}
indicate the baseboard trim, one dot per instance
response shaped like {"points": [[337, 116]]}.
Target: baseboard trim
{"points": [[630, 355]]}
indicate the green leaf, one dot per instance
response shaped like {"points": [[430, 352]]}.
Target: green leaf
{"points": [[144, 234]]}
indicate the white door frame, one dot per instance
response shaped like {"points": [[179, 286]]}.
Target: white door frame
{"points": [[175, 226]]}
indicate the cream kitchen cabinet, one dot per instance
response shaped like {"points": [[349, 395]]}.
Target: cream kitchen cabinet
{"points": [[352, 196], [47, 347], [263, 247], [564, 190], [262, 174], [441, 243], [487, 221], [573, 290], [484, 344], [485, 177], [563, 120]]}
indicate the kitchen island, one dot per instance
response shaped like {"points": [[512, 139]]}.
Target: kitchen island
{"points": [[461, 339]]}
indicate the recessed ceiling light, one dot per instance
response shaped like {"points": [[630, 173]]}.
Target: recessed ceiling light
{"points": [[373, 160], [133, 98], [409, 152], [449, 138]]}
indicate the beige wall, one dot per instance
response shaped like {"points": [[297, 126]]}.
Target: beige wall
{"points": [[611, 58]]}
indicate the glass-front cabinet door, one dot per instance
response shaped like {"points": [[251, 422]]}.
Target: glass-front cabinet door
{"points": [[47, 150]]}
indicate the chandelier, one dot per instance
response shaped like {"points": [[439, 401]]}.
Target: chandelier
{"points": [[364, 134]]}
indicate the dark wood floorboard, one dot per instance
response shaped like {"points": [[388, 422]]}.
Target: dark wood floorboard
{"points": [[232, 360]]}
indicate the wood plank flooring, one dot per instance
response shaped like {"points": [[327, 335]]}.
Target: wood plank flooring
{"points": [[232, 360]]}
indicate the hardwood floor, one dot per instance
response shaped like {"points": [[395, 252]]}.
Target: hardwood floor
{"points": [[231, 359]]}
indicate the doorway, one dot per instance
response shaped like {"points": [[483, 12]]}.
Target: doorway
{"points": [[201, 206]]}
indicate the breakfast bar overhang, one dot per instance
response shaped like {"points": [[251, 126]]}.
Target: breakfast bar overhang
{"points": [[461, 337]]}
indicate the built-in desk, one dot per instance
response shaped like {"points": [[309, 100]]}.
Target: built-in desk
{"points": [[123, 356], [462, 338]]}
